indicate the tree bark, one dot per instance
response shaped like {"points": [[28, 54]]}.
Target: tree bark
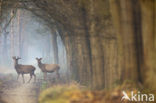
{"points": [[148, 9], [122, 16], [55, 46]]}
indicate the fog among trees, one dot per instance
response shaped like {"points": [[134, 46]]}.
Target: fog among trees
{"points": [[100, 45]]}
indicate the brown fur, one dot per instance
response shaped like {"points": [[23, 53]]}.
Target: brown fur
{"points": [[24, 69], [48, 68]]}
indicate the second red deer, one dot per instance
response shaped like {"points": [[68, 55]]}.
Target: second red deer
{"points": [[48, 68]]}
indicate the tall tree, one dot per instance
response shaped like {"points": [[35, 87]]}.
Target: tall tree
{"points": [[12, 35], [55, 45]]}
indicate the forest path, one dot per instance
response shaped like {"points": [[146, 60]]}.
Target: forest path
{"points": [[21, 93]]}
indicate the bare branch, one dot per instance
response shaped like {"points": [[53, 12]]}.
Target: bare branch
{"points": [[7, 24]]}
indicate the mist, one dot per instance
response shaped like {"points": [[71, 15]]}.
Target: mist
{"points": [[27, 36]]}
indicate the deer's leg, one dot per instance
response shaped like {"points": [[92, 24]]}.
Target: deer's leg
{"points": [[30, 78], [34, 77], [58, 74], [18, 76], [23, 78], [45, 76]]}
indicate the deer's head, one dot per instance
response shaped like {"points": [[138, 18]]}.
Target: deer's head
{"points": [[39, 60], [16, 59]]}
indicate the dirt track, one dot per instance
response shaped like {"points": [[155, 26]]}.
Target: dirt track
{"points": [[20, 93]]}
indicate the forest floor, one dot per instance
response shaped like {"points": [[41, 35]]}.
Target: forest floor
{"points": [[17, 92], [22, 93], [13, 91]]}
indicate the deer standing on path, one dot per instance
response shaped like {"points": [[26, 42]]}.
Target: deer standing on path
{"points": [[24, 69], [48, 68]]}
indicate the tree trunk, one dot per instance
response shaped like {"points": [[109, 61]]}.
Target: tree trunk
{"points": [[55, 46], [12, 36], [148, 12], [122, 16], [78, 56]]}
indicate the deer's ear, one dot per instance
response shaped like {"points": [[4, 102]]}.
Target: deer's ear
{"points": [[36, 58], [40, 58]]}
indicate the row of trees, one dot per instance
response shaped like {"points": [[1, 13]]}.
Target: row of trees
{"points": [[25, 35], [106, 41], [10, 36]]}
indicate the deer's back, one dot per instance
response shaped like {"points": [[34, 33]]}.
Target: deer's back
{"points": [[51, 67], [25, 68]]}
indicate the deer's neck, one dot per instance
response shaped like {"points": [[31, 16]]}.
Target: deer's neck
{"points": [[16, 66], [40, 64], [42, 67]]}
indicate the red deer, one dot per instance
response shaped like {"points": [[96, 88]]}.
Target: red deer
{"points": [[24, 69], [48, 68]]}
